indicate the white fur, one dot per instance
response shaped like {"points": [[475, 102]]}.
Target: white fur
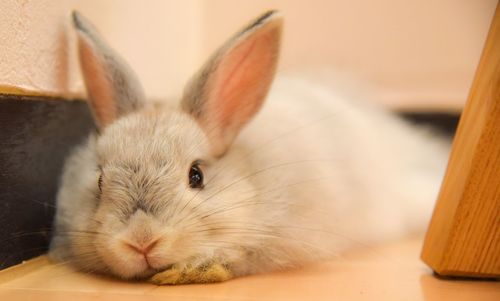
{"points": [[314, 173], [340, 173]]}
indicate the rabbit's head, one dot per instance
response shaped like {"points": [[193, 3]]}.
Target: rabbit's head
{"points": [[156, 192]]}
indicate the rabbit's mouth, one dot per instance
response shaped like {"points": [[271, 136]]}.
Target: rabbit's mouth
{"points": [[150, 271]]}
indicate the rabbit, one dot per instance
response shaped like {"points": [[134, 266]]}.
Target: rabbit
{"points": [[211, 187]]}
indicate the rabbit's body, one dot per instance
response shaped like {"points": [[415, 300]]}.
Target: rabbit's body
{"points": [[346, 173], [314, 173]]}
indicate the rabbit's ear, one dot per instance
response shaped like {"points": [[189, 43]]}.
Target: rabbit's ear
{"points": [[112, 87], [231, 87]]}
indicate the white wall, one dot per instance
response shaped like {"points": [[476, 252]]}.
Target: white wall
{"points": [[416, 53], [160, 39], [413, 53], [36, 48]]}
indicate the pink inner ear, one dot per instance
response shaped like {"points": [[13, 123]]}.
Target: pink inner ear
{"points": [[242, 79], [99, 88]]}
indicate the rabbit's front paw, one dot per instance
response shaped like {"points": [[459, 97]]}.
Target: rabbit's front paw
{"points": [[187, 273]]}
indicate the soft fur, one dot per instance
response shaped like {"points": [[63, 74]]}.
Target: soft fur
{"points": [[313, 174]]}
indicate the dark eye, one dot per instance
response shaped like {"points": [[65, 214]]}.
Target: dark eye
{"points": [[195, 176], [99, 182]]}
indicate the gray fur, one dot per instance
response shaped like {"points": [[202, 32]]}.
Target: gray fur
{"points": [[294, 187], [128, 94]]}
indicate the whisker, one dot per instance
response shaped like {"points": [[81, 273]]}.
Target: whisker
{"points": [[254, 150], [222, 209], [253, 174]]}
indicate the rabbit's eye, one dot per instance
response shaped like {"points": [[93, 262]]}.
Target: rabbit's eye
{"points": [[195, 176], [99, 183]]}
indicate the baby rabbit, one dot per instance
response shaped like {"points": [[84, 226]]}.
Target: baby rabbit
{"points": [[197, 193]]}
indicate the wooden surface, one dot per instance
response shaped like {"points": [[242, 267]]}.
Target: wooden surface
{"points": [[464, 234], [388, 272]]}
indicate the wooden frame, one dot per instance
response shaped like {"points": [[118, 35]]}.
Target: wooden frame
{"points": [[463, 238]]}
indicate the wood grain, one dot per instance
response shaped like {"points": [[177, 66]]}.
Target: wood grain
{"points": [[463, 238]]}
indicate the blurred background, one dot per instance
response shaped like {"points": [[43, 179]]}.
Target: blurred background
{"points": [[413, 54]]}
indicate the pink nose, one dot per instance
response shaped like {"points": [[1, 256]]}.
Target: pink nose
{"points": [[144, 248]]}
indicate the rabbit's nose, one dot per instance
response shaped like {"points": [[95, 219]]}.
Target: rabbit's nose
{"points": [[143, 248]]}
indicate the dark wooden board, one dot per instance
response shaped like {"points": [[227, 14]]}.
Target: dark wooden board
{"points": [[36, 134], [444, 123]]}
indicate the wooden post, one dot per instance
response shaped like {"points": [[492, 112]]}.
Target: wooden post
{"points": [[463, 238]]}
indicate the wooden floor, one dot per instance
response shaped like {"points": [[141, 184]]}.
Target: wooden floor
{"points": [[390, 272]]}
